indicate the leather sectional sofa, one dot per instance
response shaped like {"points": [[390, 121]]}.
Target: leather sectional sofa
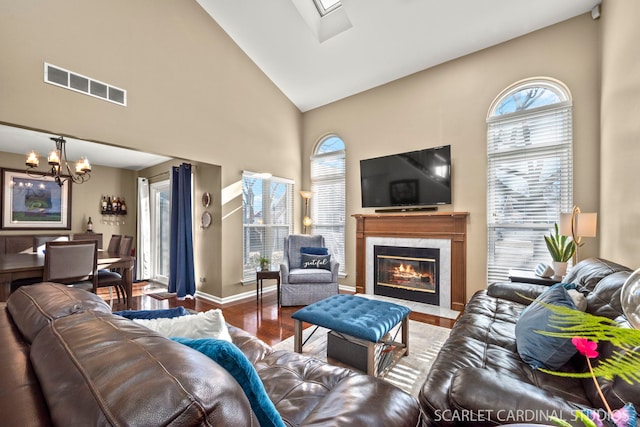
{"points": [[68, 361], [478, 378]]}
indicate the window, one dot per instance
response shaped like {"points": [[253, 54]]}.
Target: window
{"points": [[328, 207], [529, 173], [267, 212], [326, 6]]}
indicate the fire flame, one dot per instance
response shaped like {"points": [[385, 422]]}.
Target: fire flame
{"points": [[406, 272]]}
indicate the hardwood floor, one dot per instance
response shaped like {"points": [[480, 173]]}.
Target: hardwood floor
{"points": [[262, 318]]}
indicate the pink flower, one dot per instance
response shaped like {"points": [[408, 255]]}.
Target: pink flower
{"points": [[586, 347]]}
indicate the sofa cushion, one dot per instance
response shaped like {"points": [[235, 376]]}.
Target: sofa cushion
{"points": [[314, 251], [209, 324], [236, 363], [101, 369], [35, 306], [535, 348], [310, 392], [506, 397], [311, 275], [322, 262]]}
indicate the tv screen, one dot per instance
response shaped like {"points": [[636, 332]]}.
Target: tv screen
{"points": [[416, 178]]}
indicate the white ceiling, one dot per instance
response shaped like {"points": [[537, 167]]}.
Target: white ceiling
{"points": [[22, 141], [388, 39]]}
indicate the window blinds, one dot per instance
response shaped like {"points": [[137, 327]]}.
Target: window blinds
{"points": [[328, 201], [529, 166]]}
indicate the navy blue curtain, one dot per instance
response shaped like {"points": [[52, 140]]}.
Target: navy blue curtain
{"points": [[181, 276]]}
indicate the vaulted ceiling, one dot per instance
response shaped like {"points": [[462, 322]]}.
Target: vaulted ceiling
{"points": [[367, 43]]}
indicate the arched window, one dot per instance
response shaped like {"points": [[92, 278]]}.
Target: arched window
{"points": [[328, 206], [529, 172]]}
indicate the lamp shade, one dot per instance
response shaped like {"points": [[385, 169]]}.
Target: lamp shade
{"points": [[564, 228], [586, 224], [630, 299]]}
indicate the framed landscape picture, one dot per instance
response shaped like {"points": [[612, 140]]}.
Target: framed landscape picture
{"points": [[34, 201]]}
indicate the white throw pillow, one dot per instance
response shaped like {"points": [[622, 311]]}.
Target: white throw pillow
{"points": [[209, 324], [578, 299]]}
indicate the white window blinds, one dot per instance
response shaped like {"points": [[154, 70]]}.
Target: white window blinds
{"points": [[267, 212], [529, 182], [328, 206]]}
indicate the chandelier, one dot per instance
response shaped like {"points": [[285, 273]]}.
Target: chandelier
{"points": [[60, 169]]}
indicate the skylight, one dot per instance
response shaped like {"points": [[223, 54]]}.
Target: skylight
{"points": [[326, 6]]}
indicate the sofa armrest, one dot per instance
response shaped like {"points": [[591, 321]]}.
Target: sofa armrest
{"points": [[253, 347], [335, 268], [494, 398], [522, 293], [284, 271]]}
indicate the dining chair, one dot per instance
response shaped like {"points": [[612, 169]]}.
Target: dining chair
{"points": [[74, 263], [114, 243], [113, 278], [40, 241]]}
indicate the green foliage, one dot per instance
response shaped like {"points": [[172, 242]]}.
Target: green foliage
{"points": [[624, 362], [560, 247]]}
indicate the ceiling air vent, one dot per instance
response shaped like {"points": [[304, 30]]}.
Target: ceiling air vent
{"points": [[79, 83]]}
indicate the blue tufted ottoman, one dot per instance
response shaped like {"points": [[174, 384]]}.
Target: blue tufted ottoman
{"points": [[362, 318]]}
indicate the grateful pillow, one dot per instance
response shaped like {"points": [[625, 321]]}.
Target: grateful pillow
{"points": [[236, 363], [209, 324], [536, 349], [314, 250], [316, 261]]}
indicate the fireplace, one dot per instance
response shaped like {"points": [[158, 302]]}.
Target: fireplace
{"points": [[410, 273], [444, 230]]}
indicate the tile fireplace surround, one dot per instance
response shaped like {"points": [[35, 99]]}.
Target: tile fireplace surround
{"points": [[447, 229]]}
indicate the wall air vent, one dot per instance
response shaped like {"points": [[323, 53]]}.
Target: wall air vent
{"points": [[77, 82]]}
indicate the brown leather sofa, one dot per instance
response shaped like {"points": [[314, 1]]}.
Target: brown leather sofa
{"points": [[478, 378], [68, 361]]}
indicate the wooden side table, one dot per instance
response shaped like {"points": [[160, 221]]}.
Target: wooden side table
{"points": [[260, 276]]}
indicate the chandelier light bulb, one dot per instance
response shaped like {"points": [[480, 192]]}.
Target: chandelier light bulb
{"points": [[32, 160], [54, 158]]}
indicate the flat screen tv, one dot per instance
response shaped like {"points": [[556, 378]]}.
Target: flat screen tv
{"points": [[412, 179]]}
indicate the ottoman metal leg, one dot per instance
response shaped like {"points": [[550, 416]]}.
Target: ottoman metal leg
{"points": [[372, 366], [297, 334], [405, 334]]}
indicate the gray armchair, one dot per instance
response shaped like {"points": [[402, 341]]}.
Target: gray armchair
{"points": [[303, 286]]}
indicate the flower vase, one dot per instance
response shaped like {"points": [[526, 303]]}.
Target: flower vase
{"points": [[559, 269]]}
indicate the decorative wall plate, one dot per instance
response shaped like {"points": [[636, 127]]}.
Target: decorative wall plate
{"points": [[205, 221], [206, 199]]}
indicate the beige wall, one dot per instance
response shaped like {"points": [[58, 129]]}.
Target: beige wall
{"points": [[620, 127], [85, 199], [448, 104], [192, 93]]}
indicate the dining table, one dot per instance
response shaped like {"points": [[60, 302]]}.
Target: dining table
{"points": [[28, 265]]}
